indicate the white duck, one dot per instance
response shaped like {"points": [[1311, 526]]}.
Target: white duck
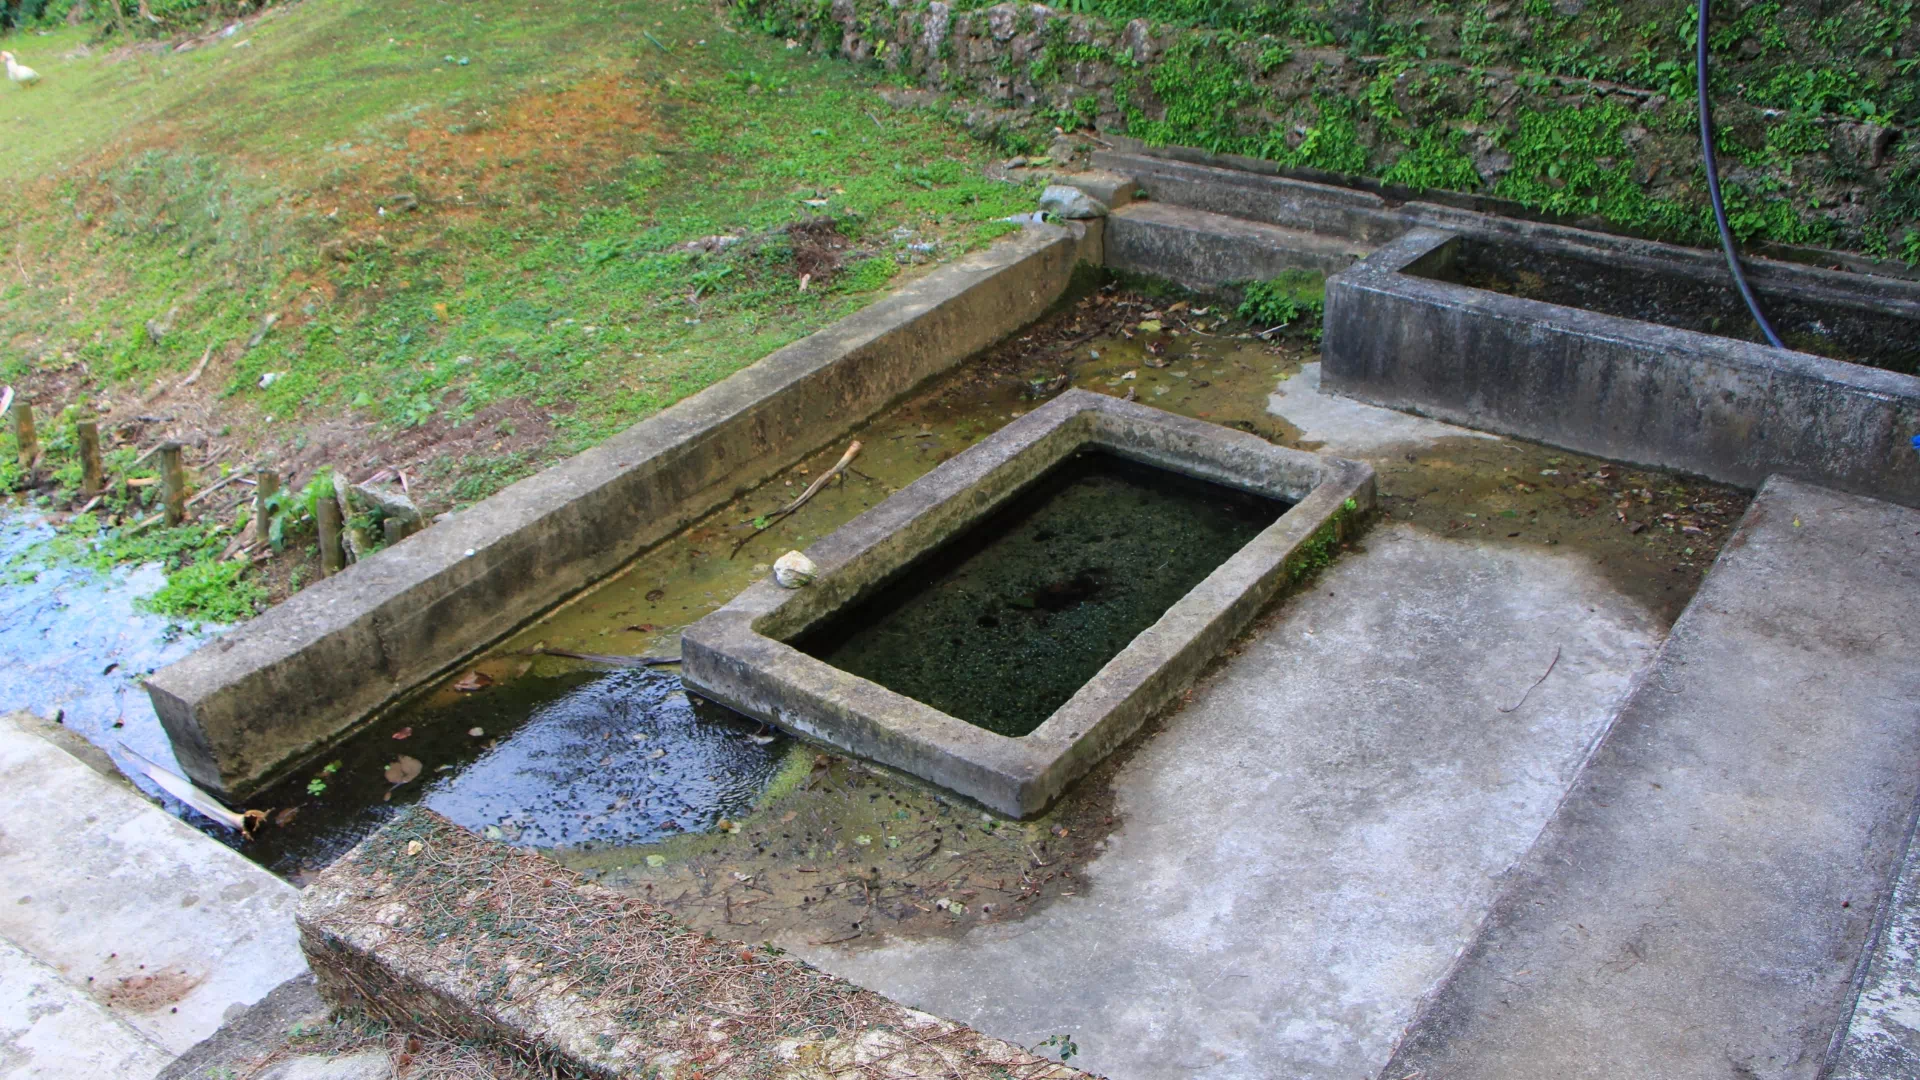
{"points": [[19, 72]]}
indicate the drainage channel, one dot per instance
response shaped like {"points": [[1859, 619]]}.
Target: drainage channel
{"points": [[619, 773]]}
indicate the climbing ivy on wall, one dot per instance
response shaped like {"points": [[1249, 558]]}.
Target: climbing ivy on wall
{"points": [[1580, 108]]}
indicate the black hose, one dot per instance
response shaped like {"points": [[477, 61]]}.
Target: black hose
{"points": [[1713, 186]]}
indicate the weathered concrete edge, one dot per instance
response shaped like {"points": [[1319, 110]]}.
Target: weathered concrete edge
{"points": [[738, 655], [375, 948], [1840, 1054], [1619, 388], [1374, 213], [1880, 1039], [1202, 250], [246, 707]]}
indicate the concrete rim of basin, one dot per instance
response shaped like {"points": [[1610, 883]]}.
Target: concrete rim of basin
{"points": [[739, 655]]}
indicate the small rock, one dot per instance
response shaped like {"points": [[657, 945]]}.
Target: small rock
{"points": [[392, 505], [157, 328], [793, 570], [1070, 203], [1061, 149], [1868, 142], [266, 327]]}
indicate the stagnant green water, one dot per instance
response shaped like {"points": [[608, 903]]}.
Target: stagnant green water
{"points": [[1003, 623]]}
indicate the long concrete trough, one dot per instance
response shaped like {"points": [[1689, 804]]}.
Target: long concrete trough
{"points": [[1412, 328], [273, 692]]}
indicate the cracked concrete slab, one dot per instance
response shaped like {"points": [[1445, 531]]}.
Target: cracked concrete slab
{"points": [[1308, 843]]}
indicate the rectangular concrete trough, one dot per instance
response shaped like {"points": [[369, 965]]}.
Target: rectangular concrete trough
{"points": [[1408, 328], [741, 656], [247, 707]]}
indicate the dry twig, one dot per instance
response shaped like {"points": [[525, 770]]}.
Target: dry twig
{"points": [[813, 489]]}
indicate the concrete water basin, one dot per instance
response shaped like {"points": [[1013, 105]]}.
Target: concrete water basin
{"points": [[772, 652]]}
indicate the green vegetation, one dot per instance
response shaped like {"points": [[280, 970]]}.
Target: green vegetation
{"points": [[210, 590], [1575, 107], [1295, 297], [507, 232]]}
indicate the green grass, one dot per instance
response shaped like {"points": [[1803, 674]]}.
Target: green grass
{"points": [[561, 170]]}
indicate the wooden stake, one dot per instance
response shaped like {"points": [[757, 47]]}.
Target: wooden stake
{"points": [[333, 557], [23, 434], [91, 479], [268, 486], [173, 481]]}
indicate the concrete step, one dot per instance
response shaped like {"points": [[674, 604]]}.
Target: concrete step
{"points": [[1703, 900], [153, 925], [1202, 250]]}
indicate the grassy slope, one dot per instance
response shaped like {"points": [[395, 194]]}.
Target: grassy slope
{"points": [[562, 155]]}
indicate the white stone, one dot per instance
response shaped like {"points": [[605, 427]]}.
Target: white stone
{"points": [[1070, 203], [792, 570]]}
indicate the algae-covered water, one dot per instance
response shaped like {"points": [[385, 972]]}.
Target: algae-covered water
{"points": [[1000, 625]]}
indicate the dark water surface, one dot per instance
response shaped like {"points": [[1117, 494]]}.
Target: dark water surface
{"points": [[561, 761], [1002, 624]]}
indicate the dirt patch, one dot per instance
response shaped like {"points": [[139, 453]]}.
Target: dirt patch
{"points": [[460, 164], [818, 248], [1653, 534], [431, 453], [151, 991], [855, 854]]}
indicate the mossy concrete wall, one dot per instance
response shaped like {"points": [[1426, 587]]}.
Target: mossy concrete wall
{"points": [[1578, 108], [261, 699], [1731, 410]]}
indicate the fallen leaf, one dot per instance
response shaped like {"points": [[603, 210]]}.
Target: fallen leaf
{"points": [[642, 628], [656, 861], [475, 732], [414, 847], [473, 680], [403, 733], [727, 826], [283, 817], [404, 770], [656, 755], [1150, 326]]}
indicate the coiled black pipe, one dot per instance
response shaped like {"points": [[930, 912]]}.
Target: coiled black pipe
{"points": [[1713, 185]]}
